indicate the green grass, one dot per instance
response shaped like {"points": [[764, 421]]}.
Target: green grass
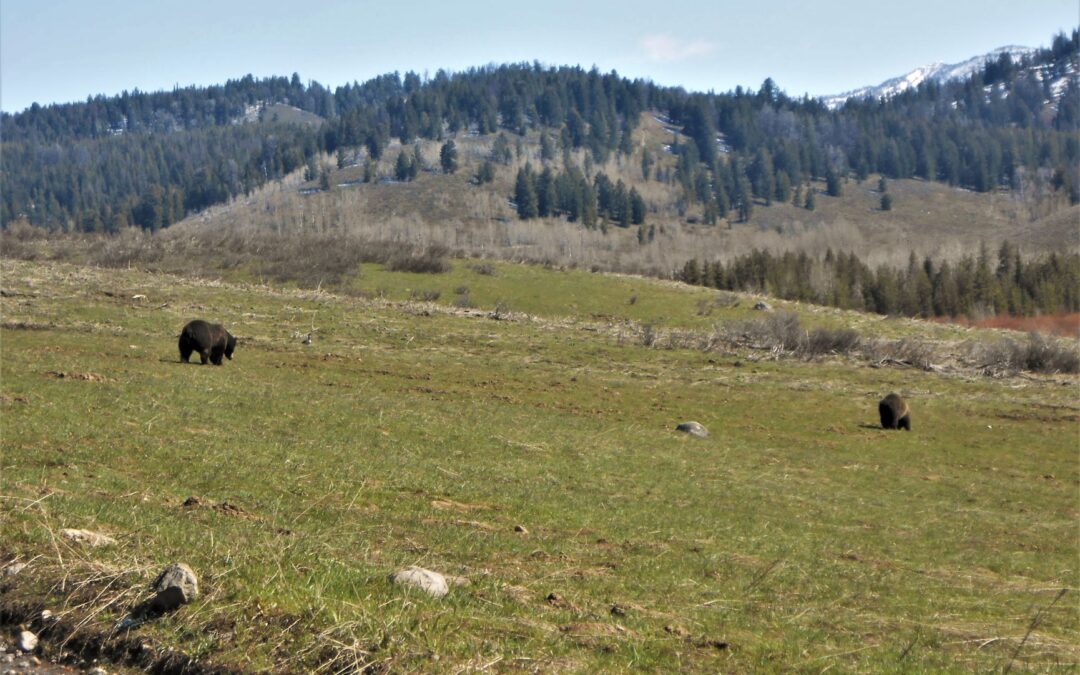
{"points": [[798, 534]]}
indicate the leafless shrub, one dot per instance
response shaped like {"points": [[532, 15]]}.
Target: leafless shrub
{"points": [[313, 262], [782, 332], [425, 295], [647, 335], [21, 230], [905, 351], [779, 332], [1039, 354], [432, 260], [822, 341], [485, 268], [130, 246], [463, 301]]}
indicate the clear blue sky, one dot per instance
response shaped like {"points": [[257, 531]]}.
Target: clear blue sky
{"points": [[64, 50]]}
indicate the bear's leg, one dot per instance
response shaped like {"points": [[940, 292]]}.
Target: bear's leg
{"points": [[905, 423], [185, 353], [215, 355], [204, 356]]}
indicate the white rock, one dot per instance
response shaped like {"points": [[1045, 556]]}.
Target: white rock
{"points": [[14, 568], [27, 641], [432, 583], [86, 537]]}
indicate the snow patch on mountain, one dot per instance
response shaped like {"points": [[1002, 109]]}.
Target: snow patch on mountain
{"points": [[937, 72]]}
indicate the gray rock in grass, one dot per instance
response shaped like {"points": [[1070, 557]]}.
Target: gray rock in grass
{"points": [[432, 583], [694, 429]]}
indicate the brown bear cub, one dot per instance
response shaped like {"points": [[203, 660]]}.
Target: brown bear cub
{"points": [[895, 413], [210, 340]]}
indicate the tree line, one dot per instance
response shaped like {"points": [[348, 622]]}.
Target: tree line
{"points": [[981, 284], [150, 158]]}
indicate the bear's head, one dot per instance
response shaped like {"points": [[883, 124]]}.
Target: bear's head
{"points": [[230, 345]]}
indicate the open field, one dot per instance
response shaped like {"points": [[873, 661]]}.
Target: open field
{"points": [[536, 457]]}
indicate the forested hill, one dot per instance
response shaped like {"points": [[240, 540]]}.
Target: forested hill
{"points": [[149, 159]]}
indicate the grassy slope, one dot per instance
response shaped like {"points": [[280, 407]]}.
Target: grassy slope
{"points": [[929, 218], [798, 534]]}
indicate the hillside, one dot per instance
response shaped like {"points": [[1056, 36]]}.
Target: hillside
{"points": [[151, 159], [525, 442], [928, 218]]}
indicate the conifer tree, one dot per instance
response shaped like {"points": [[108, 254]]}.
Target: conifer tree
{"points": [[525, 193], [448, 157], [486, 172]]}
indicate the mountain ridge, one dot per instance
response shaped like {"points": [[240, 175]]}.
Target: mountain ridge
{"points": [[936, 72]]}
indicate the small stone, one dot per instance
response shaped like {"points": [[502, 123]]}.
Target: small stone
{"points": [[521, 529], [694, 429], [27, 641], [763, 306], [618, 610], [175, 586], [14, 568], [432, 583], [97, 671], [86, 537]]}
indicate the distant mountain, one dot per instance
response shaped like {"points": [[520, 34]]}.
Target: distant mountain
{"points": [[935, 72], [1005, 120]]}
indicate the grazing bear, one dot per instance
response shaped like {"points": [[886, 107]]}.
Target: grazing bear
{"points": [[895, 413], [210, 340]]}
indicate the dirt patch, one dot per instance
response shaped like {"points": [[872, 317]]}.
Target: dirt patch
{"points": [[451, 505], [226, 508], [23, 325], [1039, 417], [83, 377], [71, 641]]}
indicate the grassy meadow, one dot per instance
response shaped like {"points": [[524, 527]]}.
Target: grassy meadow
{"points": [[522, 441]]}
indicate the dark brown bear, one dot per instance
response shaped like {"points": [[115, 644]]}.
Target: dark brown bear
{"points": [[895, 413], [210, 340]]}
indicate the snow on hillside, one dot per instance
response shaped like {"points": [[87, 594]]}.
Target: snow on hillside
{"points": [[939, 72]]}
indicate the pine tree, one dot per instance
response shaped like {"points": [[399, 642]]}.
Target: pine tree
{"points": [[547, 148], [646, 163], [448, 157], [417, 162], [525, 193], [637, 207], [403, 167], [486, 172], [809, 203], [546, 197], [886, 201], [500, 150], [832, 182]]}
